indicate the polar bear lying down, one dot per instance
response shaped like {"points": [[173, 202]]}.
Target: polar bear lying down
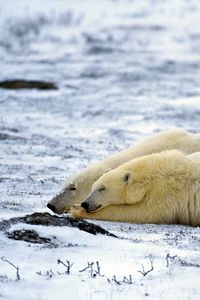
{"points": [[79, 185], [158, 188]]}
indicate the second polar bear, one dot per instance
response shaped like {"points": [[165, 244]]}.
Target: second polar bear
{"points": [[79, 185], [162, 188]]}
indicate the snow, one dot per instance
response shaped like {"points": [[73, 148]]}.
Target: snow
{"points": [[124, 70], [121, 257]]}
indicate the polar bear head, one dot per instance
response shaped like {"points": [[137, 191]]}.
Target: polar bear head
{"points": [[77, 188], [154, 176], [74, 191]]}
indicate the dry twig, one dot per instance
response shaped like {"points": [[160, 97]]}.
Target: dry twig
{"points": [[48, 273], [182, 262], [128, 280], [143, 272], [168, 258], [90, 267], [10, 263], [118, 282], [115, 280], [68, 265]]}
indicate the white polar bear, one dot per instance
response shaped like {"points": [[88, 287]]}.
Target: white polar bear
{"points": [[79, 185], [157, 188]]}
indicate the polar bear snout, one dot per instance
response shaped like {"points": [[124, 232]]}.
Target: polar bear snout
{"points": [[51, 207], [90, 207], [85, 205], [89, 204]]}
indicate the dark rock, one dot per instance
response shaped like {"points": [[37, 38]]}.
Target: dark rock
{"points": [[53, 220], [47, 219], [6, 136], [93, 229], [5, 224], [30, 236], [28, 84]]}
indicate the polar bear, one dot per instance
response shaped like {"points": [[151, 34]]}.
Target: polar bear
{"points": [[79, 185], [161, 188]]}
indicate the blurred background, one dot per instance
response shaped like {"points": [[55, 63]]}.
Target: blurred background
{"points": [[117, 71]]}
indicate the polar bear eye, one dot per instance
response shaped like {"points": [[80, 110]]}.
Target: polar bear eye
{"points": [[102, 188]]}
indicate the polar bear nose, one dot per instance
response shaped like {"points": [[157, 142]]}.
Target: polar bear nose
{"points": [[52, 207], [85, 205]]}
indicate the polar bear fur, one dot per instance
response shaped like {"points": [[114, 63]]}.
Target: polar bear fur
{"points": [[79, 185], [162, 188]]}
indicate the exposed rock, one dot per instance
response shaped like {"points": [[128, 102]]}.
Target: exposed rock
{"points": [[6, 136], [28, 84], [53, 220], [47, 219], [30, 236]]}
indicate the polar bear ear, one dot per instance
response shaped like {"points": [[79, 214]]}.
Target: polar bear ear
{"points": [[128, 177]]}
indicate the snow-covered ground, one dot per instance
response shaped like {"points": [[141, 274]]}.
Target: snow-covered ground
{"points": [[139, 249], [124, 70]]}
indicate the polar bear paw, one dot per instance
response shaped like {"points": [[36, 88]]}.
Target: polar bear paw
{"points": [[77, 211]]}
